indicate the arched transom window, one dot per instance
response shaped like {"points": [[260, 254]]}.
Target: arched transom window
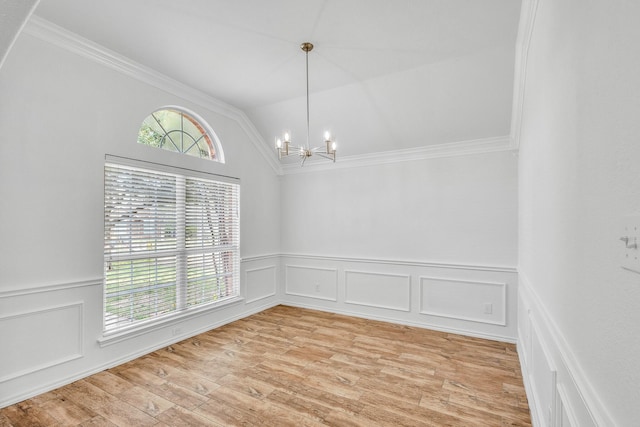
{"points": [[178, 130]]}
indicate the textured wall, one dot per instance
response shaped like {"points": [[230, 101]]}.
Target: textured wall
{"points": [[579, 182]]}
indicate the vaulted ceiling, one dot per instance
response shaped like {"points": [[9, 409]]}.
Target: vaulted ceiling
{"points": [[384, 74]]}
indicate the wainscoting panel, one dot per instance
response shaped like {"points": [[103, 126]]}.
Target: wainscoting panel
{"points": [[49, 334], [40, 339], [311, 282], [564, 416], [54, 330], [543, 380], [391, 291], [260, 283], [447, 297], [558, 392], [483, 302]]}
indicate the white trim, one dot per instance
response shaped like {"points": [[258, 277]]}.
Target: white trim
{"points": [[58, 36], [528, 387], [553, 371], [96, 281], [17, 292], [155, 324], [501, 322], [275, 283], [127, 358], [561, 397], [49, 32], [255, 258], [77, 355], [406, 309], [450, 149], [523, 43], [17, 33], [127, 162], [546, 325], [432, 264], [304, 267], [421, 325], [208, 130]]}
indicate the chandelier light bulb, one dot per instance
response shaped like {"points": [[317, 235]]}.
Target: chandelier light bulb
{"points": [[278, 143], [286, 137], [327, 136], [334, 146]]}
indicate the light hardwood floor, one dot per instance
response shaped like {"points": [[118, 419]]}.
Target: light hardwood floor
{"points": [[295, 367]]}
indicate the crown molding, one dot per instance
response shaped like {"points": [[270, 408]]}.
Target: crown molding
{"points": [[460, 148], [10, 12], [58, 36], [523, 42]]}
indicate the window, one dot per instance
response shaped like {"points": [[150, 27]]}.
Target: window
{"points": [[171, 243], [176, 130]]}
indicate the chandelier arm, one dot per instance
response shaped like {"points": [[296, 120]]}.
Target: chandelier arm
{"points": [[306, 150]]}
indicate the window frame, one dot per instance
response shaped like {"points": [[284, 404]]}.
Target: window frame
{"points": [[117, 334], [198, 122]]}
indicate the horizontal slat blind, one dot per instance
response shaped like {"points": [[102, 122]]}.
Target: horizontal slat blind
{"points": [[171, 244], [212, 239]]}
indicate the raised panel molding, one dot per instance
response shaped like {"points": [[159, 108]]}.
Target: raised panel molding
{"points": [[363, 284], [311, 282], [545, 352], [260, 283], [543, 378], [294, 279], [40, 339], [564, 415], [382, 290], [464, 299]]}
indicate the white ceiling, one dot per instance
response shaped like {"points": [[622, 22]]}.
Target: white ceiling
{"points": [[384, 74]]}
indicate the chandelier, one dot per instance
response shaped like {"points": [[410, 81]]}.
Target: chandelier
{"points": [[326, 151]]}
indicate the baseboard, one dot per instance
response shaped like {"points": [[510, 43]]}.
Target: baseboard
{"points": [[265, 287], [466, 299], [457, 331], [10, 400]]}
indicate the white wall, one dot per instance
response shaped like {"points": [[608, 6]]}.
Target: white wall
{"points": [[578, 172], [440, 231], [453, 209], [60, 113], [430, 242]]}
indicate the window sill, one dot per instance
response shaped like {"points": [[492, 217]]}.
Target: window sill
{"points": [[108, 339]]}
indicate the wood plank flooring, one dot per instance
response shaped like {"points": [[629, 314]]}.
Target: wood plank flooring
{"points": [[295, 367]]}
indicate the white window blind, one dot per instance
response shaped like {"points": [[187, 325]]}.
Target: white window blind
{"points": [[172, 243]]}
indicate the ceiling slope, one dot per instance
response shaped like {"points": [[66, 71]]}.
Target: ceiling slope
{"points": [[384, 75]]}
